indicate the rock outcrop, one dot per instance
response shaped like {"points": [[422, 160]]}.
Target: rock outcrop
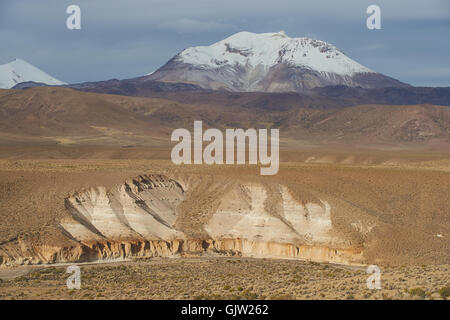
{"points": [[137, 219]]}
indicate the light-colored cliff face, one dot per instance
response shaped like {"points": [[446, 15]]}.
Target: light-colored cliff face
{"points": [[103, 251], [142, 208], [138, 219], [242, 214]]}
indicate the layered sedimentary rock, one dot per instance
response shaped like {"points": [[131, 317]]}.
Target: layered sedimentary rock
{"points": [[138, 219], [142, 208]]}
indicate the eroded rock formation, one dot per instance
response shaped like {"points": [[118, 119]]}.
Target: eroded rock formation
{"points": [[139, 219]]}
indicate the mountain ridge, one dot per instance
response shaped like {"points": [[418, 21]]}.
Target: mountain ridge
{"points": [[67, 116], [313, 83]]}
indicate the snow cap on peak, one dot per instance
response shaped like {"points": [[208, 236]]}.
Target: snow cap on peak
{"points": [[18, 61], [248, 49], [18, 71]]}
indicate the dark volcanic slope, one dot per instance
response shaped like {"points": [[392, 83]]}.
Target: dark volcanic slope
{"points": [[390, 95], [320, 98], [139, 87]]}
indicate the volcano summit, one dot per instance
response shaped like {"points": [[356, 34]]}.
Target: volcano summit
{"points": [[269, 62]]}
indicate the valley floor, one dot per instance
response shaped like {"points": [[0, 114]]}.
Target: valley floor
{"points": [[228, 278]]}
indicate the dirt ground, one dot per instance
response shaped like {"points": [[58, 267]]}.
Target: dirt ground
{"points": [[228, 278]]}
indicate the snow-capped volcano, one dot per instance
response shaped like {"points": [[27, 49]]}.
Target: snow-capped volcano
{"points": [[269, 49], [270, 62], [19, 71]]}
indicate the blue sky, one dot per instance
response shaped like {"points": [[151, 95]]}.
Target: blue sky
{"points": [[124, 39]]}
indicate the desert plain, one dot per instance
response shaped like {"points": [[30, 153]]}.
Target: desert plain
{"points": [[357, 186]]}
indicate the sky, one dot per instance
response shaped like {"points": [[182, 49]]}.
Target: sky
{"points": [[128, 38]]}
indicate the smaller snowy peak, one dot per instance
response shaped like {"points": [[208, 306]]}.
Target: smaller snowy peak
{"points": [[266, 50], [19, 71]]}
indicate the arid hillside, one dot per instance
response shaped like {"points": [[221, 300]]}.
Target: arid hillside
{"points": [[68, 117]]}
